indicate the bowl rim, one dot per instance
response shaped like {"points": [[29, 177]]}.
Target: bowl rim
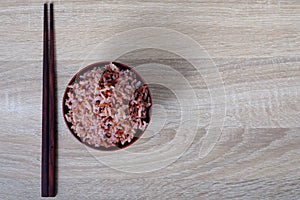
{"points": [[64, 107]]}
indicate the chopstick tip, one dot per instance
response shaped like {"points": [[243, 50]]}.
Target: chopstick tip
{"points": [[47, 2]]}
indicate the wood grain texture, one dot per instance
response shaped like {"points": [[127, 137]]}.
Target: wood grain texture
{"points": [[254, 44]]}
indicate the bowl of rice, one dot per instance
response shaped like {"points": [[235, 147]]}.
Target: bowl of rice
{"points": [[107, 106]]}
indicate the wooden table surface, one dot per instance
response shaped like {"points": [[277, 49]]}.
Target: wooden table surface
{"points": [[225, 81]]}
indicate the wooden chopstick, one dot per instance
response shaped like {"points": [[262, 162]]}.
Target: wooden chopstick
{"points": [[51, 186], [48, 115], [45, 110]]}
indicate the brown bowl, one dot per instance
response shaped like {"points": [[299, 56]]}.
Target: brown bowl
{"points": [[65, 108]]}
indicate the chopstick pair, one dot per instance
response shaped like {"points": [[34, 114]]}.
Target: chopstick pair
{"points": [[48, 111]]}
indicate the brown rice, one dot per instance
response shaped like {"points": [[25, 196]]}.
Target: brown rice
{"points": [[107, 106]]}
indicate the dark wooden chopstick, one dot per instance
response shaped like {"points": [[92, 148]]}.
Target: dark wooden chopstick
{"points": [[51, 186], [48, 110], [45, 110]]}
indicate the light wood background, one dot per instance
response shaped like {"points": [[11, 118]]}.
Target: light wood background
{"points": [[255, 47]]}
